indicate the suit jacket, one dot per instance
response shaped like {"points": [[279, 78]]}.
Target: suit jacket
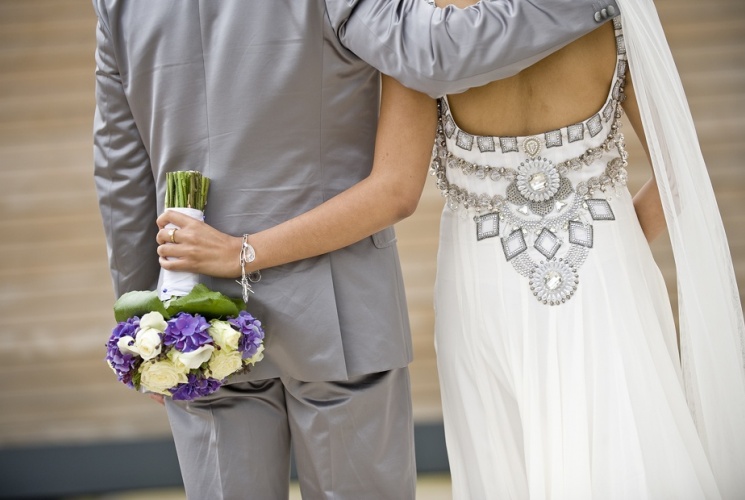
{"points": [[276, 101]]}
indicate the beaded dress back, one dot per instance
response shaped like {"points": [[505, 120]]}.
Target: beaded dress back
{"points": [[540, 194]]}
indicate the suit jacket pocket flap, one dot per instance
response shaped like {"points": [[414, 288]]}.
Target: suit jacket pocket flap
{"points": [[384, 238]]}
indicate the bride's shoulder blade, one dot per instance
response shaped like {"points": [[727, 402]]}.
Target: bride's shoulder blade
{"points": [[566, 87]]}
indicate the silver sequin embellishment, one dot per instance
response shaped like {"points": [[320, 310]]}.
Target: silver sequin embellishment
{"points": [[621, 68], [532, 146], [620, 46], [537, 179], [487, 226], [514, 244], [486, 144], [580, 234], [576, 132], [594, 125], [547, 243], [449, 126], [554, 282], [600, 209], [508, 144], [464, 140], [608, 111], [553, 138]]}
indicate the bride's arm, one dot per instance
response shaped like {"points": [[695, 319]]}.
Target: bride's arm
{"points": [[647, 201], [391, 192]]}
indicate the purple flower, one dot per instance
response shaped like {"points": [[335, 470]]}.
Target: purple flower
{"points": [[123, 329], [252, 333], [186, 332], [196, 387], [124, 365]]}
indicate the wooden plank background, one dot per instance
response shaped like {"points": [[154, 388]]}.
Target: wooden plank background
{"points": [[55, 292]]}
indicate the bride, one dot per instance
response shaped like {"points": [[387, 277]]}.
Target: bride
{"points": [[557, 350], [560, 370]]}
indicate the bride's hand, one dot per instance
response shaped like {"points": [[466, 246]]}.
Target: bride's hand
{"points": [[196, 247]]}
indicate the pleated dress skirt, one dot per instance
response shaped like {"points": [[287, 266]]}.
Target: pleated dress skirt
{"points": [[583, 400]]}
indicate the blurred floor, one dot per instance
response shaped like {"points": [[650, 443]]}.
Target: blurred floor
{"points": [[429, 487]]}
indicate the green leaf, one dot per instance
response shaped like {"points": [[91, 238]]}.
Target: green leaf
{"points": [[202, 300], [138, 303]]}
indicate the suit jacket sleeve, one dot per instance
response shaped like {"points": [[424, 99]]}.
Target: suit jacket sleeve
{"points": [[445, 51], [123, 177]]}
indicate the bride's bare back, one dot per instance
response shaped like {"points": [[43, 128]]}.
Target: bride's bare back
{"points": [[567, 87]]}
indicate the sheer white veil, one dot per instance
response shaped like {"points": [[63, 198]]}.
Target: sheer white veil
{"points": [[711, 321]]}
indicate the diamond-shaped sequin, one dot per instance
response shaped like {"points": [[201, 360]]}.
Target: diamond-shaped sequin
{"points": [[620, 46], [580, 234], [487, 226], [508, 144], [514, 244], [576, 132], [486, 144], [449, 126], [547, 243], [621, 68], [600, 209], [608, 111], [553, 138], [594, 125], [444, 105], [464, 140]]}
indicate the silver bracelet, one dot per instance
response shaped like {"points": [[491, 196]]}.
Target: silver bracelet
{"points": [[246, 256]]}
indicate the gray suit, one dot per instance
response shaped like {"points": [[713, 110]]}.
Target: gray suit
{"points": [[276, 101]]}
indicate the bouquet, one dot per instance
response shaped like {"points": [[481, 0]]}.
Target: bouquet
{"points": [[183, 345], [184, 348]]}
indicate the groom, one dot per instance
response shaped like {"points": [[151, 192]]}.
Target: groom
{"points": [[276, 101]]}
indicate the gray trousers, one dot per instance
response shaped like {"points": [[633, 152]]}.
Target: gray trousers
{"points": [[352, 439]]}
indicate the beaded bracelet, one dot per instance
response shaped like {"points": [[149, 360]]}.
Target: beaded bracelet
{"points": [[246, 256]]}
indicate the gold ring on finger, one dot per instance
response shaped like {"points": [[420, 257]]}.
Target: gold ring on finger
{"points": [[172, 234]]}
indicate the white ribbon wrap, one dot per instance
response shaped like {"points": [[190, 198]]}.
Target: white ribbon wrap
{"points": [[178, 283]]}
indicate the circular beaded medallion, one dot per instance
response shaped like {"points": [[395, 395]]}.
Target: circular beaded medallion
{"points": [[537, 179], [554, 282]]}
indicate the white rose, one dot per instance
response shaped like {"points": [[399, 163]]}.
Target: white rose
{"points": [[124, 345], [225, 363], [173, 355], [147, 343], [153, 320], [256, 357], [159, 376], [224, 335], [194, 359]]}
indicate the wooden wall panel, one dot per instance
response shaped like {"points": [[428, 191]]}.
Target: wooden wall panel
{"points": [[55, 291]]}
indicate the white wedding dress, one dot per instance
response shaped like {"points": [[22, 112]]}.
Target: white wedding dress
{"points": [[556, 345]]}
